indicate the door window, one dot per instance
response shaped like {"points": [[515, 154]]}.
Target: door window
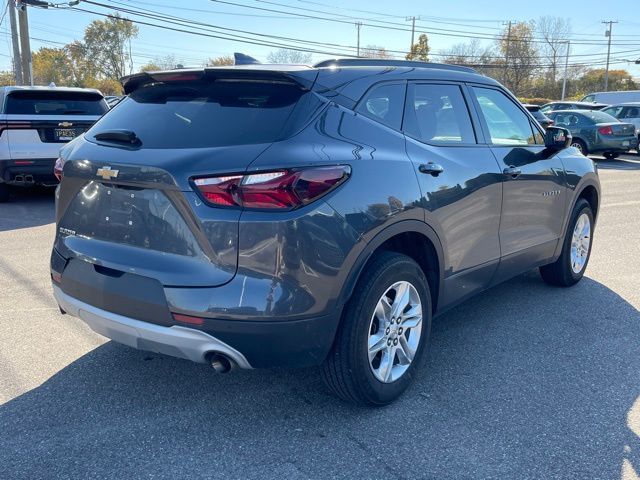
{"points": [[507, 124], [438, 114], [384, 103]]}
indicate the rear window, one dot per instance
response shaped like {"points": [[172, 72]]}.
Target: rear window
{"points": [[55, 103], [600, 117], [200, 114]]}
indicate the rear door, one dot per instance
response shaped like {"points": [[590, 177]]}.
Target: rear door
{"points": [[533, 202], [460, 181]]}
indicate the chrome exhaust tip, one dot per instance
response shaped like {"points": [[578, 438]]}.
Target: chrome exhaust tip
{"points": [[28, 179], [19, 178], [221, 363]]}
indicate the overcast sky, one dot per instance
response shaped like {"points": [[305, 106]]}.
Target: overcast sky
{"points": [[333, 22]]}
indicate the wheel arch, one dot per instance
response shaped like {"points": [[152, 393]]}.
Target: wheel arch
{"points": [[410, 237]]}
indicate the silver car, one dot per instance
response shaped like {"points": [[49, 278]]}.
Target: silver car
{"points": [[626, 112]]}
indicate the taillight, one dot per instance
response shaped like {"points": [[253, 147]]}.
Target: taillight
{"points": [[57, 168], [606, 130], [279, 189]]}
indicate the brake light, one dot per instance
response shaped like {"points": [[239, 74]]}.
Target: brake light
{"points": [[57, 168], [606, 130], [280, 189]]}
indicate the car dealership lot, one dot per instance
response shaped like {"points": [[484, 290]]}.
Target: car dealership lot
{"points": [[523, 381]]}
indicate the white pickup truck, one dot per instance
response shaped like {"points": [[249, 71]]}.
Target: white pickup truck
{"points": [[34, 123]]}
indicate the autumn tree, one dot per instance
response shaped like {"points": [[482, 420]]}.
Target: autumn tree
{"points": [[168, 62], [52, 65], [221, 61], [284, 55], [419, 51], [520, 56], [7, 78], [107, 46]]}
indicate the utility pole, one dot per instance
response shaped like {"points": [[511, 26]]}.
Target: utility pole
{"points": [[17, 62], [506, 55], [413, 30], [606, 72], [25, 45], [566, 65], [358, 25]]}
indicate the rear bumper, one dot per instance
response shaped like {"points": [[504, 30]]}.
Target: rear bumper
{"points": [[615, 144], [176, 341], [28, 172], [251, 342]]}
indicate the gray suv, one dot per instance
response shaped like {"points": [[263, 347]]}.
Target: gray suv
{"points": [[260, 216]]}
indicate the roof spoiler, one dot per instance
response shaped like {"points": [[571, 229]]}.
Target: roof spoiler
{"points": [[305, 78]]}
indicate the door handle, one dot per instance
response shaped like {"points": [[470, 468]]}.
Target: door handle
{"points": [[512, 171], [432, 169]]}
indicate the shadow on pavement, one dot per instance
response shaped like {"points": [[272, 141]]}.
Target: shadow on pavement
{"points": [[627, 163], [525, 381], [27, 207]]}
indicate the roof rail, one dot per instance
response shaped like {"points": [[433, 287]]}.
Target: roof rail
{"points": [[378, 62]]}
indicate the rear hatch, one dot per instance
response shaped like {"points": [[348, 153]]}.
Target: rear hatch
{"points": [[39, 122], [127, 201]]}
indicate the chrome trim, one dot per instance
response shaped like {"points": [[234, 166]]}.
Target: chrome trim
{"points": [[177, 341]]}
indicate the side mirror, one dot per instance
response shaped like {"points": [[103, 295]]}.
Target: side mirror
{"points": [[557, 138]]}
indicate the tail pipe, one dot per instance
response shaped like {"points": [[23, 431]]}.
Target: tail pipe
{"points": [[220, 362]]}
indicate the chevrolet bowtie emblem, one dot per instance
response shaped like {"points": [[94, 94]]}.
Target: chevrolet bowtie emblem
{"points": [[65, 124], [106, 173]]}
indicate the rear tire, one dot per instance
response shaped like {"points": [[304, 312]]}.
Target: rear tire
{"points": [[580, 145], [358, 369], [4, 192], [576, 249]]}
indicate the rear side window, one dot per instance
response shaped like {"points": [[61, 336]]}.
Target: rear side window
{"points": [[47, 102], [438, 114], [507, 124], [384, 103], [200, 114]]}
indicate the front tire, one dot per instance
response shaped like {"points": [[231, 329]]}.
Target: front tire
{"points": [[382, 341], [576, 250]]}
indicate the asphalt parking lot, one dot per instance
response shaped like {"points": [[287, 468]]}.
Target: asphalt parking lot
{"points": [[524, 381]]}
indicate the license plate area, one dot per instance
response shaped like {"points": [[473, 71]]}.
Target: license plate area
{"points": [[65, 134]]}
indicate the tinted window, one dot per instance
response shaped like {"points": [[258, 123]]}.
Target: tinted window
{"points": [[631, 112], [201, 114], [507, 124], [569, 120], [600, 117], [384, 103], [438, 114], [49, 102]]}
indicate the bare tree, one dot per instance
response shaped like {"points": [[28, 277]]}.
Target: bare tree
{"points": [[472, 54], [284, 55], [373, 51], [554, 31]]}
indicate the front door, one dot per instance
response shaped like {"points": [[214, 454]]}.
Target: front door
{"points": [[534, 197]]}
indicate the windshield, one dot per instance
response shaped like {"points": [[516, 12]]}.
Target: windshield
{"points": [[48, 102], [199, 114]]}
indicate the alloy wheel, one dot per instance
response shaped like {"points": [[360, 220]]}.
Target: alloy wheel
{"points": [[394, 332]]}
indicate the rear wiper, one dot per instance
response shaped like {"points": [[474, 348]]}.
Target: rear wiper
{"points": [[126, 137]]}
